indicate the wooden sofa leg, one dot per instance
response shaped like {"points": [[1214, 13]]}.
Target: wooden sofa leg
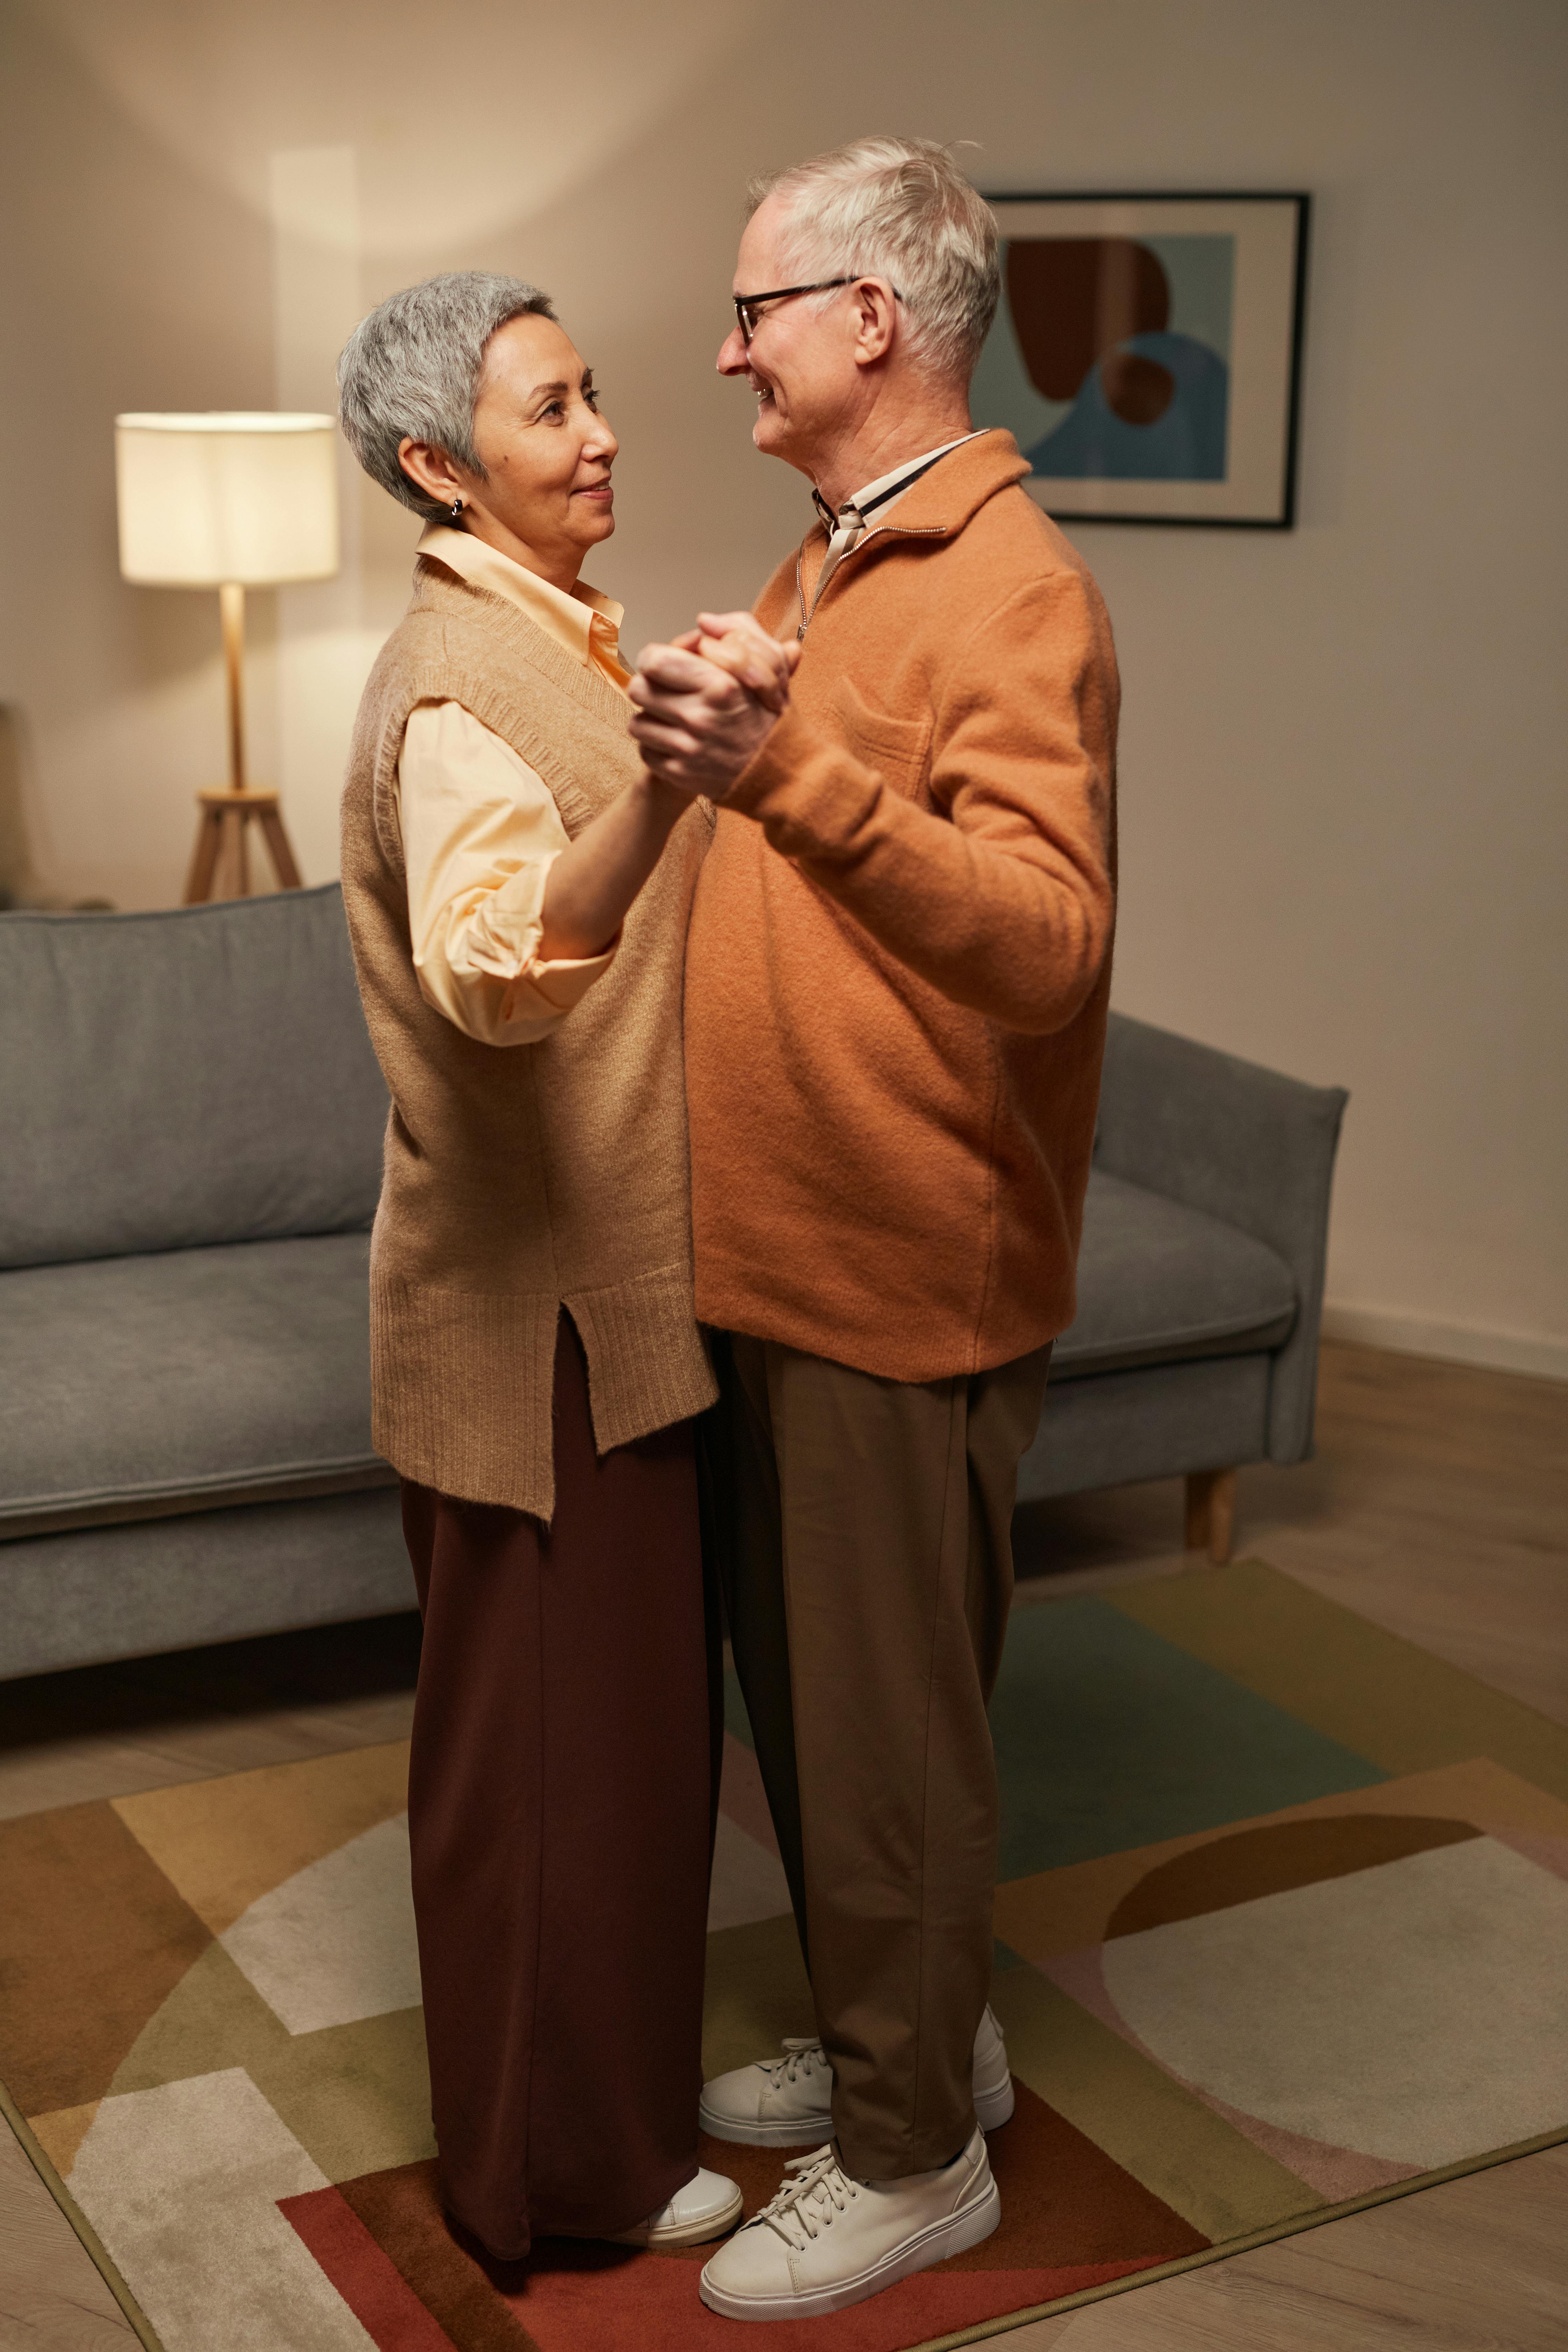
{"points": [[1211, 1513]]}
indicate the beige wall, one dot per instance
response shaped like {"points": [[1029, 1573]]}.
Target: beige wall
{"points": [[1344, 751]]}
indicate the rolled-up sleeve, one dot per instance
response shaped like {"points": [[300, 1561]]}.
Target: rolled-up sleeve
{"points": [[480, 832]]}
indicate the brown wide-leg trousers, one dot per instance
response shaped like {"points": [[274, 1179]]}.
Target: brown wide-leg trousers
{"points": [[864, 1546], [559, 1815]]}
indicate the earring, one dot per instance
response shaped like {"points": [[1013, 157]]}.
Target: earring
{"points": [[457, 511]]}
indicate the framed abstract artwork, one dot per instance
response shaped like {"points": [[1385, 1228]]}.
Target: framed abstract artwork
{"points": [[1147, 354]]}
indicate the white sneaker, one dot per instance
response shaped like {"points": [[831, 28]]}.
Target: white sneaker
{"points": [[704, 2209], [826, 2242], [993, 2083], [785, 2102]]}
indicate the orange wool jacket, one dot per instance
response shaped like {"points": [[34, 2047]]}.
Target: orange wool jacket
{"points": [[899, 955]]}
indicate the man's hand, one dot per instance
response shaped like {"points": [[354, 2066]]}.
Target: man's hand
{"points": [[707, 703], [739, 643]]}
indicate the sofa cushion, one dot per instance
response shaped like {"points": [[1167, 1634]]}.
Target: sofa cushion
{"points": [[134, 1386], [1160, 1283], [170, 1080]]}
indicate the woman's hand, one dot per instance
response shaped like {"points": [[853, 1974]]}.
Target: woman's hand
{"points": [[739, 643], [707, 703]]}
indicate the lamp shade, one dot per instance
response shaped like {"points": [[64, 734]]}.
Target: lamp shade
{"points": [[221, 497]]}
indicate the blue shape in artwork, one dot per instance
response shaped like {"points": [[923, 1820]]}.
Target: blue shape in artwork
{"points": [[1185, 445]]}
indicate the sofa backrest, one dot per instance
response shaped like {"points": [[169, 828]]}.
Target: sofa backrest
{"points": [[201, 1074]]}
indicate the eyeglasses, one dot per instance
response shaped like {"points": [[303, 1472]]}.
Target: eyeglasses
{"points": [[748, 307]]}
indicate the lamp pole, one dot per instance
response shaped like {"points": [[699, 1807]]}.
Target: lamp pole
{"points": [[231, 610]]}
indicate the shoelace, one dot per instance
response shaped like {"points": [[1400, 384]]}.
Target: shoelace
{"points": [[807, 2204], [804, 2055]]}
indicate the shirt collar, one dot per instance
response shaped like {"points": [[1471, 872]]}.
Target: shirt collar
{"points": [[872, 503], [947, 499], [582, 621]]}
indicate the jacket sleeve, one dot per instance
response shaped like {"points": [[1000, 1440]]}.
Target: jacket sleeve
{"points": [[1001, 892]]}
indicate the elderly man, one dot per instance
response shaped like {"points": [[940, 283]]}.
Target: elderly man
{"points": [[896, 996]]}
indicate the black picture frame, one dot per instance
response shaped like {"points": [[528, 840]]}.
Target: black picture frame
{"points": [[1233, 264]]}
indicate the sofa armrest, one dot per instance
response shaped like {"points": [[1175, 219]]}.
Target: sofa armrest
{"points": [[1243, 1143]]}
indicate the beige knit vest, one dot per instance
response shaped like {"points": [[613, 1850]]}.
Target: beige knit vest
{"points": [[521, 1179]]}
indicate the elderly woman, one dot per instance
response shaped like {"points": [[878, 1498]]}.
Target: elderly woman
{"points": [[517, 886]]}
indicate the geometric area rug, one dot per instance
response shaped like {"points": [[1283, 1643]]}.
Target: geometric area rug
{"points": [[1282, 1909]]}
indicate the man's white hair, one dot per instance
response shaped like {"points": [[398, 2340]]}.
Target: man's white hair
{"points": [[901, 209]]}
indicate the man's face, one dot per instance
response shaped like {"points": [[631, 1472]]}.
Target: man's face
{"points": [[801, 361]]}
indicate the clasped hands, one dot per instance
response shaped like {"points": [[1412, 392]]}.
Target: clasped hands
{"points": [[707, 703]]}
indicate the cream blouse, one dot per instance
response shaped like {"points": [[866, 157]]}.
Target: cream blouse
{"points": [[480, 830]]}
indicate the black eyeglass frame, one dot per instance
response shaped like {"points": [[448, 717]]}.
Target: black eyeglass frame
{"points": [[747, 306]]}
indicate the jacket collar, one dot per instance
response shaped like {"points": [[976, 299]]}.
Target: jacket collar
{"points": [[956, 488], [936, 507]]}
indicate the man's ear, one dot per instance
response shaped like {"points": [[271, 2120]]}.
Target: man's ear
{"points": [[876, 319], [430, 470]]}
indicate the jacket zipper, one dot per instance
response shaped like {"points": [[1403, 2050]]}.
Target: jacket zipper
{"points": [[877, 530]]}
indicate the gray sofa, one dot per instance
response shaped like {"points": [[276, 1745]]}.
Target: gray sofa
{"points": [[1195, 1349], [190, 1166], [194, 1120]]}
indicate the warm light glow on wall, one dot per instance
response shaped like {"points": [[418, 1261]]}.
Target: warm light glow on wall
{"points": [[226, 497]]}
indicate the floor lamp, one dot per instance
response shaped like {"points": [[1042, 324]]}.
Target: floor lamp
{"points": [[231, 502]]}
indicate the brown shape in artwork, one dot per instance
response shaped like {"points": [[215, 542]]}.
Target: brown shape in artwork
{"points": [[1136, 389], [1273, 1858], [1065, 2205], [92, 1942], [1072, 299]]}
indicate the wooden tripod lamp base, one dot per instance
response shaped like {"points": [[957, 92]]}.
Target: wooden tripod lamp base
{"points": [[220, 863]]}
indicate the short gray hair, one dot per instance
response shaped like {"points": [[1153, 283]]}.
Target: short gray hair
{"points": [[901, 209], [411, 370]]}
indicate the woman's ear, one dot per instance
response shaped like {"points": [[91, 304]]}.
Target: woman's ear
{"points": [[431, 470]]}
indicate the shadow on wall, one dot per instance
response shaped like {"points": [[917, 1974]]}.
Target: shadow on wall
{"points": [[20, 886]]}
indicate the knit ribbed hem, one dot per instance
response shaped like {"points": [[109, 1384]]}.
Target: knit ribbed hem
{"points": [[462, 1388], [462, 1382], [646, 1365], [894, 1336]]}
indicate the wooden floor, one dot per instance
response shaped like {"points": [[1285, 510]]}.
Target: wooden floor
{"points": [[1437, 1505]]}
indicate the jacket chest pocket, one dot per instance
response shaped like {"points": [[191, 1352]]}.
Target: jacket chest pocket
{"points": [[897, 747]]}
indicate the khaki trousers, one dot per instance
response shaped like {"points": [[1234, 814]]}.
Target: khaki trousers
{"points": [[863, 1529]]}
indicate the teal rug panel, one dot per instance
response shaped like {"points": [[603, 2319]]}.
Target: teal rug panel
{"points": [[1108, 1737]]}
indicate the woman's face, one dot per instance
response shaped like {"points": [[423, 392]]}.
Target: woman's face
{"points": [[545, 496]]}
